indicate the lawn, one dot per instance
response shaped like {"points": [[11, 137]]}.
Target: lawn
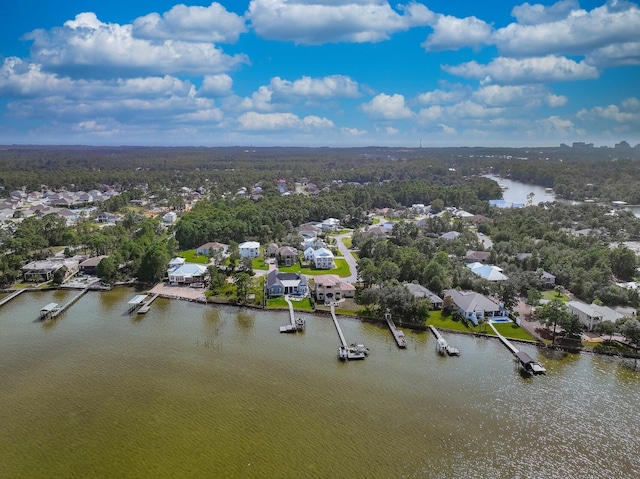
{"points": [[551, 295], [303, 305], [190, 256], [347, 241], [342, 269], [445, 322], [259, 263], [512, 330]]}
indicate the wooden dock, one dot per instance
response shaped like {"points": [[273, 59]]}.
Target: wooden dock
{"points": [[442, 345], [11, 296], [398, 335], [296, 324], [136, 302], [527, 363], [146, 306], [51, 310], [355, 351]]}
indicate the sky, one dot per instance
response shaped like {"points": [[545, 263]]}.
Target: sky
{"points": [[335, 73]]}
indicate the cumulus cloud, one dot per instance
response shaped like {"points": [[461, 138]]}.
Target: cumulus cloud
{"points": [[192, 24], [216, 85], [628, 112], [92, 48], [452, 33], [281, 121], [333, 86], [517, 96], [387, 107], [353, 131], [503, 70], [572, 32], [615, 55], [321, 21], [19, 78], [527, 14], [439, 97]]}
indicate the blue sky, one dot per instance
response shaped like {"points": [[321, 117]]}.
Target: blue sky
{"points": [[320, 73]]}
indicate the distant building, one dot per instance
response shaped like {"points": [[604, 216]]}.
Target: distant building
{"points": [[420, 291], [170, 217], [207, 247], [42, 271], [249, 249], [474, 306], [592, 314], [90, 266]]}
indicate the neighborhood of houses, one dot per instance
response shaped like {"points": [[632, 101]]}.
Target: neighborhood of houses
{"points": [[312, 251]]}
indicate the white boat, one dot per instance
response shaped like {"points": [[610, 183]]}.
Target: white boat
{"points": [[451, 351], [503, 186], [359, 348], [442, 346], [529, 365]]}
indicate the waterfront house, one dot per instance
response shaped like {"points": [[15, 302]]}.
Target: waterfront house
{"points": [[187, 273], [420, 292], [330, 287], [280, 284], [90, 265], [41, 271], [474, 306], [249, 249], [592, 314]]}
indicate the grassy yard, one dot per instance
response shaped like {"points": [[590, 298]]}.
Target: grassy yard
{"points": [[439, 321], [551, 295], [341, 270], [304, 305], [347, 241], [512, 330], [259, 263], [190, 256]]}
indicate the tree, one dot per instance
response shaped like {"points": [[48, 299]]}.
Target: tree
{"points": [[59, 275], [606, 327], [154, 263], [623, 262], [242, 280], [533, 298], [107, 269], [555, 313], [508, 295], [631, 331]]}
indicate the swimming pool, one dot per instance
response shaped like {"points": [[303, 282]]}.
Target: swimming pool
{"points": [[501, 320]]}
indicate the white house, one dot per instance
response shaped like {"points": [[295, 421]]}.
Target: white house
{"points": [[592, 314], [323, 259], [249, 249], [170, 217], [187, 273]]}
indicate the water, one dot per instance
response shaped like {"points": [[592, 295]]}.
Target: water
{"points": [[189, 390]]}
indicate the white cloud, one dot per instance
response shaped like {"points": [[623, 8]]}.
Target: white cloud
{"points": [[517, 96], [281, 121], [528, 14], [439, 97], [212, 24], [22, 79], [92, 48], [216, 85], [209, 115], [576, 33], [615, 55], [628, 112], [386, 107], [452, 33], [333, 86], [504, 70], [321, 21], [448, 130], [260, 100], [354, 131], [389, 130]]}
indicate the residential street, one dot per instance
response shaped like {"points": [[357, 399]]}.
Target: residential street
{"points": [[351, 261]]}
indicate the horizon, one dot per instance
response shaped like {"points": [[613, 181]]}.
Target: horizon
{"points": [[320, 74]]}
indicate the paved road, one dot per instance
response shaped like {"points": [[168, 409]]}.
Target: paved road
{"points": [[351, 261]]}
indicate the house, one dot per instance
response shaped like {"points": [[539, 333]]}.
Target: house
{"points": [[477, 256], [187, 273], [377, 230], [330, 224], [323, 258], [474, 306], [548, 279], [206, 248], [309, 230], [106, 217], [487, 271], [90, 266], [330, 287], [450, 236], [288, 256], [170, 217], [272, 250], [41, 271], [279, 284], [420, 291], [313, 243], [592, 314], [249, 249]]}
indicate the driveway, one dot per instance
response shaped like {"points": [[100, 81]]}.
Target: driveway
{"points": [[351, 261]]}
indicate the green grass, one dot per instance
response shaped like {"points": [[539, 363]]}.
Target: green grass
{"points": [[439, 321], [551, 295], [259, 263], [342, 269], [512, 330], [191, 257], [347, 242], [304, 305], [375, 221], [355, 255]]}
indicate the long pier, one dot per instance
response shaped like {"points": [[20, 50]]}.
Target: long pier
{"points": [[11, 296], [338, 328], [398, 335], [442, 345], [296, 324], [68, 303], [527, 363], [146, 306]]}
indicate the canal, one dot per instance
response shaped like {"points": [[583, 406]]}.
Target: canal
{"points": [[190, 390]]}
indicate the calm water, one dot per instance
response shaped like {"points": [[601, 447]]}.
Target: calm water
{"points": [[198, 391]]}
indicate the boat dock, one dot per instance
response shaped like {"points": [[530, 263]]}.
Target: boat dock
{"points": [[398, 335], [136, 302], [296, 324], [527, 363], [146, 306], [355, 351], [11, 296], [52, 310], [442, 345]]}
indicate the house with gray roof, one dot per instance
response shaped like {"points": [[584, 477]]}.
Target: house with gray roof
{"points": [[280, 284], [420, 291], [475, 306]]}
